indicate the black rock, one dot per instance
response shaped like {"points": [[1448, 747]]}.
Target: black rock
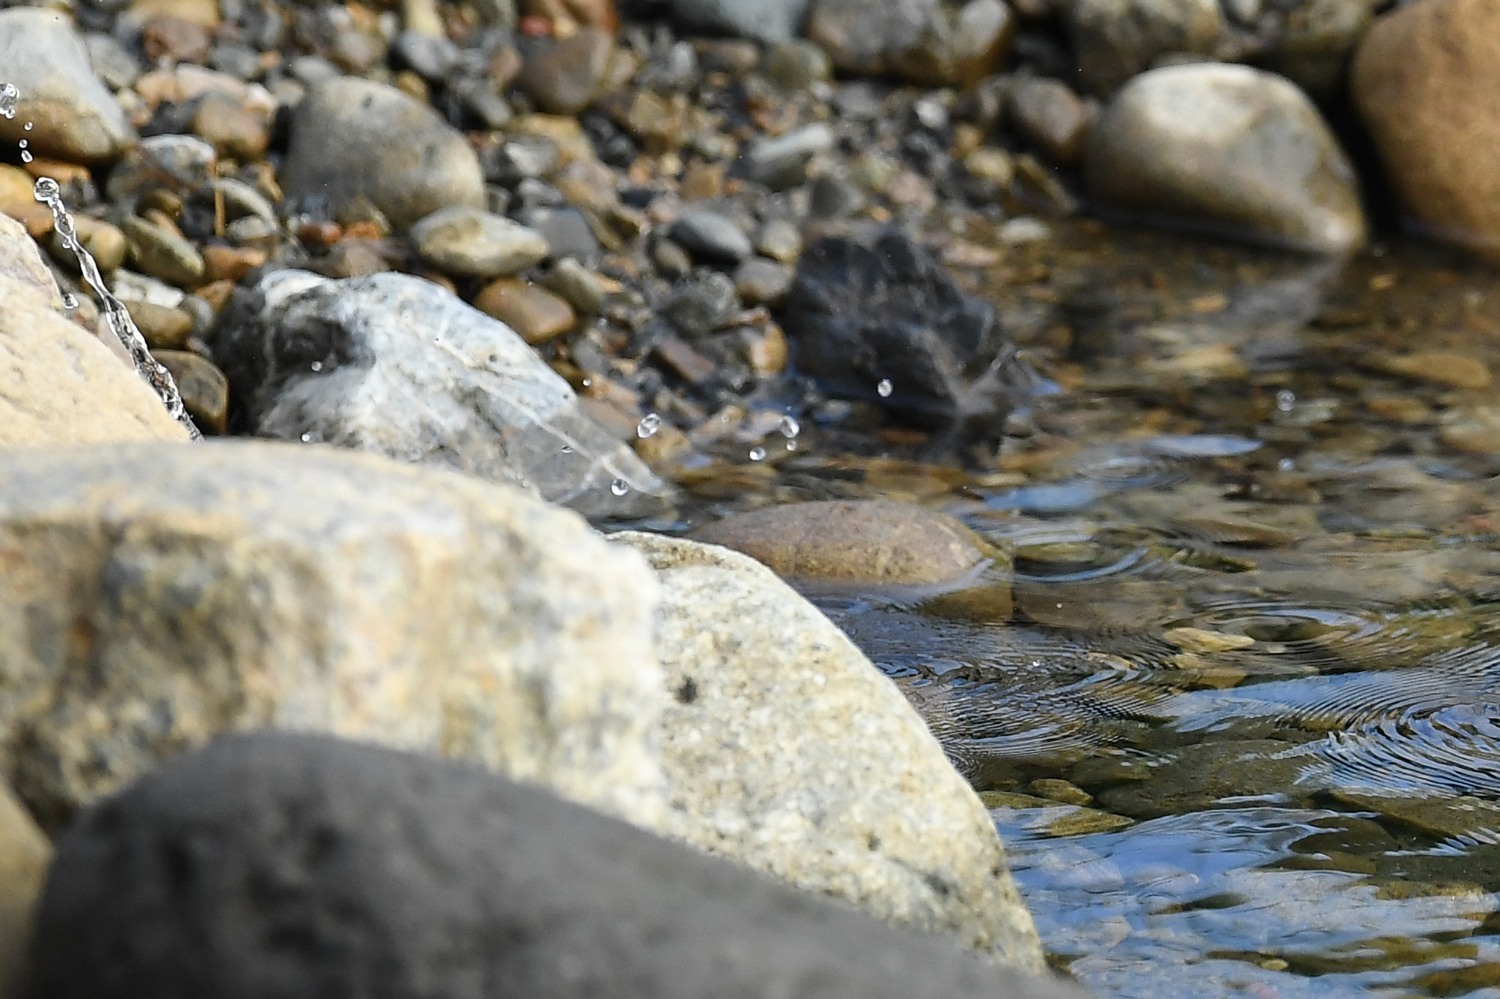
{"points": [[883, 320], [281, 866]]}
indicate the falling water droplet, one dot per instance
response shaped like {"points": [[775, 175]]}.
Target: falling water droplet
{"points": [[316, 365], [8, 97], [70, 301], [649, 425], [307, 438], [884, 388], [619, 487], [1285, 400], [789, 427], [28, 126], [757, 454]]}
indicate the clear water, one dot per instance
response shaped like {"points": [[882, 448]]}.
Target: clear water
{"points": [[1257, 615]]}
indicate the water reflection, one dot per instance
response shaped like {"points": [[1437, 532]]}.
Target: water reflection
{"points": [[1256, 584]]}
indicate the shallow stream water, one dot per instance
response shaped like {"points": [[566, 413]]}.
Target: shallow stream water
{"points": [[1241, 731]]}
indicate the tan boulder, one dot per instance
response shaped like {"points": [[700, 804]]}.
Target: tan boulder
{"points": [[153, 597], [58, 384], [1424, 80]]}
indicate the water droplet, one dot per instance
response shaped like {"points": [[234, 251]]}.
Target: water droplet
{"points": [[649, 425], [307, 438], [45, 189], [619, 487], [26, 157], [1285, 400], [757, 454], [70, 301], [316, 365], [884, 388], [1285, 465], [567, 449], [791, 445], [587, 382], [28, 126], [8, 97], [789, 427]]}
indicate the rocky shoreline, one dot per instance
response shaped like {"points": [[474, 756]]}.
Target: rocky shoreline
{"points": [[572, 253]]}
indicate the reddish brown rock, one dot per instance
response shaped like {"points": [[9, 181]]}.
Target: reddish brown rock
{"points": [[534, 313]]}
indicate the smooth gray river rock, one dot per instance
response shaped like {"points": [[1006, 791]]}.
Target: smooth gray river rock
{"points": [[326, 868], [1228, 150], [157, 596], [396, 365], [785, 748], [353, 138], [65, 110]]}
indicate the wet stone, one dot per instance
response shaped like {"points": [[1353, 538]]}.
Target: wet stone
{"points": [[703, 302], [1228, 150], [711, 237], [759, 281], [927, 42], [1421, 81], [564, 77], [1117, 39], [64, 110], [473, 243], [781, 162], [354, 139], [204, 389], [762, 20], [874, 541], [566, 230], [163, 254], [1205, 775], [536, 314], [884, 320], [576, 285]]}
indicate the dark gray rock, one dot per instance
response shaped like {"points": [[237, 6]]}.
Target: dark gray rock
{"points": [[711, 237], [566, 230], [304, 867], [702, 302], [762, 20], [883, 320], [396, 365]]}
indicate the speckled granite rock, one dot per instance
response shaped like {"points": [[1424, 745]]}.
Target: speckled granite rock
{"points": [[786, 748], [233, 585]]}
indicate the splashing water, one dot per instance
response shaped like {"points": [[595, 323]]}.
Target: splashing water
{"points": [[115, 313], [9, 95]]}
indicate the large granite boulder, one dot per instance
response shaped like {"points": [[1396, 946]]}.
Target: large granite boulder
{"points": [[785, 748], [155, 597], [303, 867], [398, 366]]}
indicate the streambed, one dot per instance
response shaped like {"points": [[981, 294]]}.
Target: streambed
{"points": [[1242, 730]]}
